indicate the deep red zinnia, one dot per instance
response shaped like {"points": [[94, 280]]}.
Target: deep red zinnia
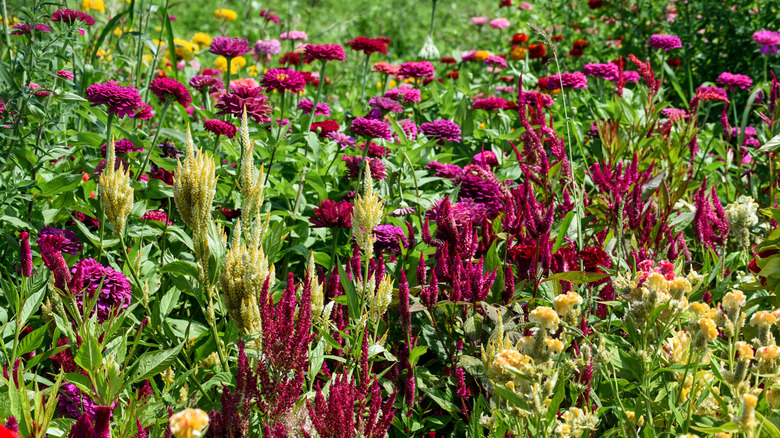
{"points": [[171, 89], [367, 45], [219, 127]]}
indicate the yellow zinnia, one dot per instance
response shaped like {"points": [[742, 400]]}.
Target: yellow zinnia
{"points": [[235, 64], [225, 14], [202, 39], [93, 5]]}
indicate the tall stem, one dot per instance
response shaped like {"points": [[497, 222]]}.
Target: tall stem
{"points": [[227, 73], [365, 77], [109, 123], [154, 140], [316, 100], [278, 136]]}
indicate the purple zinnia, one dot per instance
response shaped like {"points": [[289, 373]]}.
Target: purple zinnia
{"points": [[305, 105], [122, 146], [266, 48], [531, 97], [769, 41], [408, 95], [390, 237], [486, 158], [121, 101], [342, 139], [206, 83], [386, 104], [324, 52], [219, 127], [568, 79], [443, 130], [422, 69], [72, 402], [167, 89], [240, 96], [25, 29], [665, 42], [229, 47], [283, 79], [410, 129], [378, 170], [371, 128], [71, 243], [734, 80], [482, 190], [113, 288], [442, 170]]}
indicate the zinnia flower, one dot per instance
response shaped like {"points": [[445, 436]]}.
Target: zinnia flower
{"points": [[480, 21], [367, 45], [207, 83], [121, 101], [167, 89], [324, 52], [385, 104], [70, 16], [225, 14], [65, 74], [269, 16], [294, 35], [491, 103], [423, 69], [769, 41], [734, 80], [378, 170], [408, 95], [252, 98], [266, 48], [389, 237], [156, 215], [371, 128], [229, 47], [443, 130], [332, 214], [27, 29], [496, 61], [665, 42], [282, 79], [325, 127], [122, 146], [219, 127], [112, 287], [608, 71], [536, 51], [305, 105], [386, 68], [569, 80], [499, 23]]}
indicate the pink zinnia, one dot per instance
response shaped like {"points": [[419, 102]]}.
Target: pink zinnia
{"points": [[496, 61], [24, 29], [269, 16], [410, 129], [386, 68], [665, 42], [306, 106], [569, 80], [121, 101], [489, 103], [156, 215], [122, 146], [294, 35], [283, 79], [65, 74], [324, 52], [253, 99], [219, 127], [608, 71], [499, 23], [734, 80], [371, 128], [229, 47], [408, 95], [480, 21], [443, 130], [769, 41], [423, 69], [70, 16], [167, 89]]}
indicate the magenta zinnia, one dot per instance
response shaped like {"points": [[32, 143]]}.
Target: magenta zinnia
{"points": [[332, 214], [443, 130], [219, 127], [167, 89], [305, 105], [70, 16], [378, 170], [665, 42], [206, 83], [229, 47], [156, 215], [240, 96], [283, 79], [371, 128], [423, 69], [121, 101], [734, 80], [491, 103], [367, 45], [112, 287], [324, 52], [769, 41]]}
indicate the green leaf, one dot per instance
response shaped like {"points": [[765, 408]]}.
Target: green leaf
{"points": [[577, 277], [106, 31], [181, 267], [418, 351], [353, 303], [61, 183], [88, 356], [32, 341], [562, 232], [152, 363], [772, 145], [171, 45]]}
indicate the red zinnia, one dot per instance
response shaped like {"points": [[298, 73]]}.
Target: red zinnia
{"points": [[283, 79], [536, 51], [325, 127], [332, 214], [290, 58], [519, 38], [219, 127], [367, 45], [581, 44], [325, 52], [171, 89], [448, 60]]}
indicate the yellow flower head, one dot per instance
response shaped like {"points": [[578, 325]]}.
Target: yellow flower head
{"points": [[225, 14], [189, 423], [517, 53], [512, 358], [481, 55], [544, 318], [768, 353], [93, 5], [565, 305], [745, 350], [762, 319], [733, 301], [708, 329], [202, 39]]}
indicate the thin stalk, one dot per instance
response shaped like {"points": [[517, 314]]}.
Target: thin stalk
{"points": [[227, 73], [278, 136], [154, 140], [365, 77], [109, 123], [214, 147], [316, 100]]}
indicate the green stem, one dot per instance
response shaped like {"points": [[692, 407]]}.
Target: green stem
{"points": [[227, 73], [154, 140], [109, 123], [316, 101], [278, 136], [365, 77], [214, 147]]}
